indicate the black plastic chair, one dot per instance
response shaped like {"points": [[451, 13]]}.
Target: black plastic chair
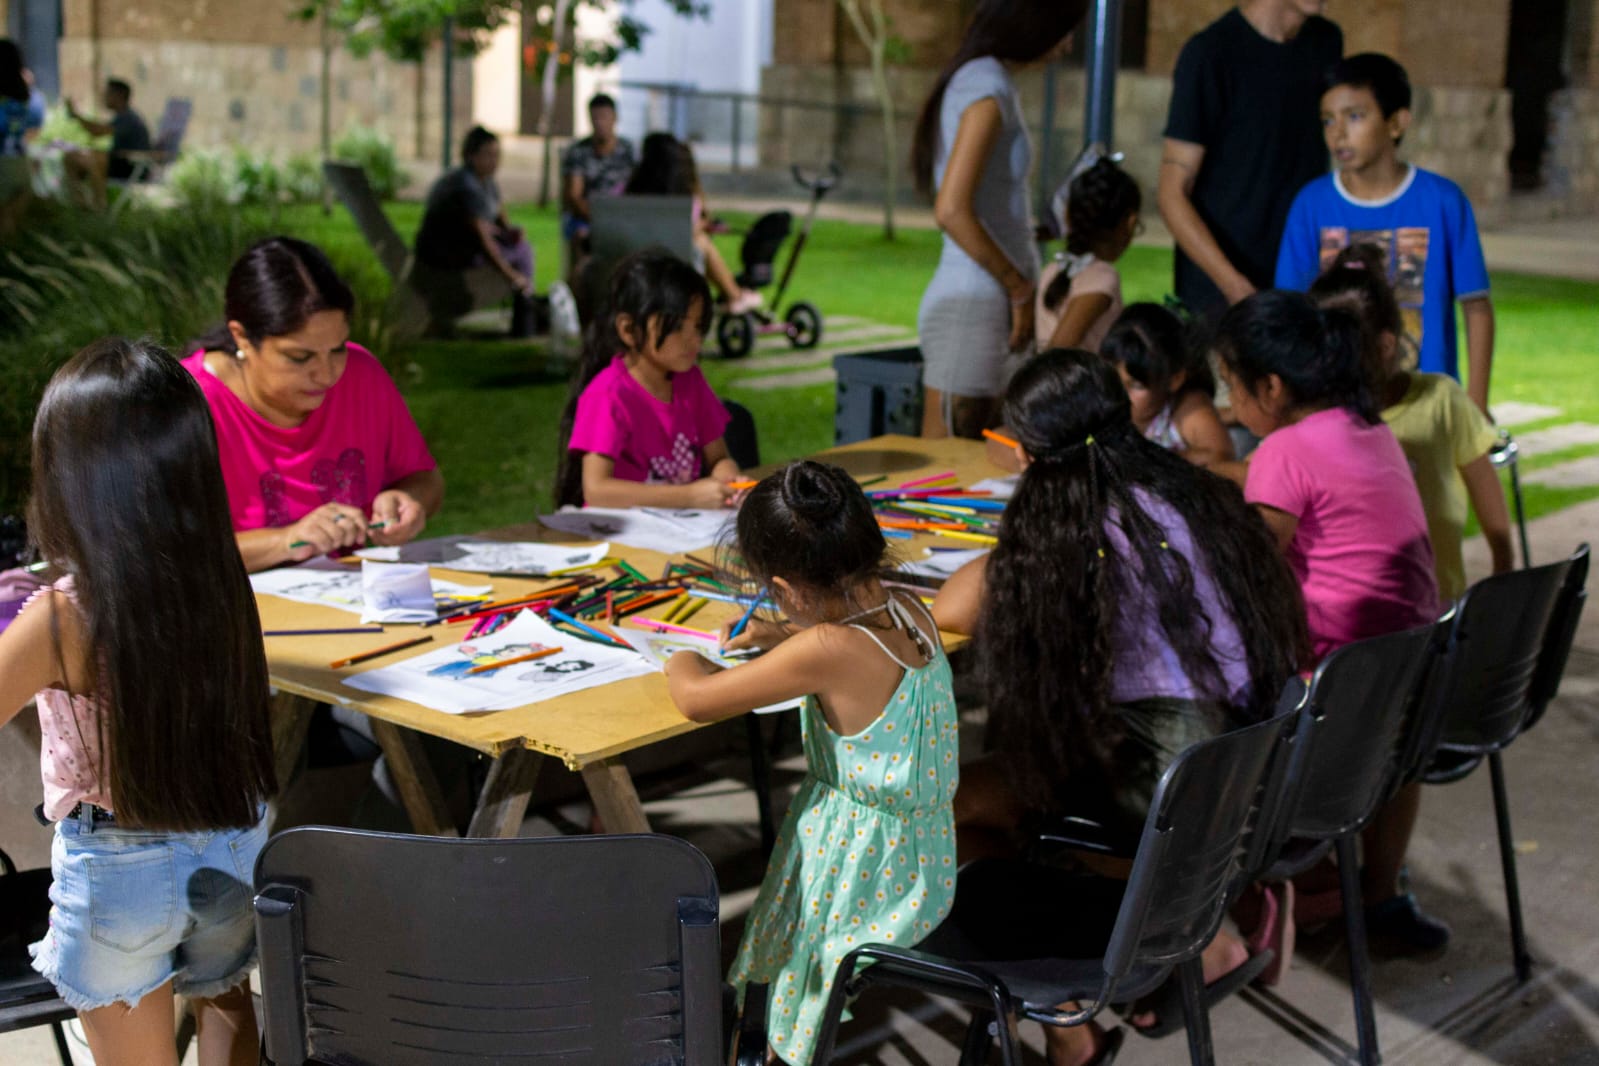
{"points": [[26, 998], [1508, 645], [401, 951], [1190, 861], [1358, 730]]}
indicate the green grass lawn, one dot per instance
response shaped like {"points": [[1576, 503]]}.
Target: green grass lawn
{"points": [[489, 408]]}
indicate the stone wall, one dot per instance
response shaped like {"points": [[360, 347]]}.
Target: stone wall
{"points": [[1572, 167], [253, 74]]}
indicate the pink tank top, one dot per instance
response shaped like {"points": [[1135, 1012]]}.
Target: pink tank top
{"points": [[69, 749]]}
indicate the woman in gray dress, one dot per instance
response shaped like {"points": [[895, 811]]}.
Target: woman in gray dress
{"points": [[971, 156]]}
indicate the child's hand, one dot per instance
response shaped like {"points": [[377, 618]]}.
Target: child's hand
{"points": [[708, 493], [326, 529], [401, 515], [758, 634]]}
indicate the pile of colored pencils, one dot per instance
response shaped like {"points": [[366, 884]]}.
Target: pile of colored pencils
{"points": [[939, 506]]}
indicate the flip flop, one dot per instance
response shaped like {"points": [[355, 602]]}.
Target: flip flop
{"points": [[1166, 1002]]}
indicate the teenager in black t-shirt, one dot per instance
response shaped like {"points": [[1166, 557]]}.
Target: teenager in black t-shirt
{"points": [[1243, 136]]}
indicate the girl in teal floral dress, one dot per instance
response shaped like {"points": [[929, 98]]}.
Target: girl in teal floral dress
{"points": [[867, 852]]}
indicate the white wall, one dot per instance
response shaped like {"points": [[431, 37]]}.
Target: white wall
{"points": [[724, 53], [496, 80]]}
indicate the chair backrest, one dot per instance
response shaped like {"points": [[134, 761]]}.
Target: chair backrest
{"points": [[1194, 845], [1478, 701], [173, 126], [761, 245], [1357, 728], [349, 182], [1558, 640], [399, 950]]}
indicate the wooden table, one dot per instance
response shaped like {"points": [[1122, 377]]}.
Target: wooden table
{"points": [[588, 731]]}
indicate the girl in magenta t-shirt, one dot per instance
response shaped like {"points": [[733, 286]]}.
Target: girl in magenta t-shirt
{"points": [[643, 428], [318, 449], [1334, 485]]}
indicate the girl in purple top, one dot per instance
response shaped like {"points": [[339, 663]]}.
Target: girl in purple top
{"points": [[1333, 484], [1133, 606], [643, 429]]}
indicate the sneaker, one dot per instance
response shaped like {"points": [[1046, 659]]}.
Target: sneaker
{"points": [[748, 300], [1400, 919]]}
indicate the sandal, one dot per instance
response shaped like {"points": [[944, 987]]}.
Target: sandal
{"points": [[1166, 1002], [1274, 931], [1109, 1048]]}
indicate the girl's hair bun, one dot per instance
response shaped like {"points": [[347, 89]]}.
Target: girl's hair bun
{"points": [[809, 492]]}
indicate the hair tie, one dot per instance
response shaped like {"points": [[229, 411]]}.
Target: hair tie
{"points": [[1089, 440], [1354, 264]]}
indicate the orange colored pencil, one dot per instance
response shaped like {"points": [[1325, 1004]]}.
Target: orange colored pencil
{"points": [[486, 667], [351, 660], [1000, 438], [741, 485]]}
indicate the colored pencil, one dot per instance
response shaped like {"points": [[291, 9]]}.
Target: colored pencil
{"points": [[880, 478], [690, 610], [578, 569], [541, 654], [610, 607], [727, 597], [1000, 438], [744, 619], [898, 534], [632, 571], [742, 485], [948, 475], [567, 619], [320, 632], [532, 605], [667, 627], [644, 603], [965, 501], [981, 538], [697, 561], [302, 543], [387, 649]]}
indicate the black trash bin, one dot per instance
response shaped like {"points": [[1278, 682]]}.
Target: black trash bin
{"points": [[878, 392]]}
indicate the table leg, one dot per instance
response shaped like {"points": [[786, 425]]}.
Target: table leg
{"points": [[291, 719], [413, 776], [615, 800], [503, 802]]}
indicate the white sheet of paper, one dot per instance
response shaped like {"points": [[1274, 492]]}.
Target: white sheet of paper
{"points": [[440, 679], [941, 563], [659, 647], [651, 528], [1001, 488], [492, 557], [325, 583], [396, 592]]}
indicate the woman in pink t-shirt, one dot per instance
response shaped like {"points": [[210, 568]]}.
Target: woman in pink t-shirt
{"points": [[642, 428], [318, 449], [1334, 486]]}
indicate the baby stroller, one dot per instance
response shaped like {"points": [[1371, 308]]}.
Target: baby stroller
{"points": [[801, 323]]}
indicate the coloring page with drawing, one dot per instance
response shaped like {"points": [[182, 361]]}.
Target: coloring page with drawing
{"points": [[492, 556], [652, 528], [451, 679], [659, 647], [325, 583]]}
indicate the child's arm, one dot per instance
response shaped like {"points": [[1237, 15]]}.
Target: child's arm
{"points": [[1080, 313], [960, 602], [1283, 525], [1479, 311], [705, 692], [719, 462], [1488, 502], [1206, 441], [601, 488], [28, 658]]}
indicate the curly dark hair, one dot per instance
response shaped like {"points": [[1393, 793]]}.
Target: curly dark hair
{"points": [[1153, 344], [1316, 351], [1357, 280], [1099, 200], [1056, 586], [810, 524]]}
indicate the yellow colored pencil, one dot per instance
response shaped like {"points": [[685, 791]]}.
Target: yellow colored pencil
{"points": [[689, 610], [980, 538]]}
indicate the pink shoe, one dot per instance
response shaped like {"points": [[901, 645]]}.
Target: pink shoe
{"points": [[1274, 931], [748, 300]]}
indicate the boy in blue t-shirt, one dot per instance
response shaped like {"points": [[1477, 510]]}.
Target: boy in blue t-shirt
{"points": [[1421, 221]]}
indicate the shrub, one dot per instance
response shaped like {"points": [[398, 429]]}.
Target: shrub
{"points": [[373, 150], [204, 180]]}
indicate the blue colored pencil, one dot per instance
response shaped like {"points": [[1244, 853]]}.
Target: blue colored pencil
{"points": [[561, 616], [744, 619]]}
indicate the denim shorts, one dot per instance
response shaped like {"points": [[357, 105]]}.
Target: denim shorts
{"points": [[132, 910]]}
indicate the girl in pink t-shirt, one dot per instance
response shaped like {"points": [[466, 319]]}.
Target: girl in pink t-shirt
{"points": [[146, 663], [642, 427], [1080, 292], [318, 450], [1334, 486]]}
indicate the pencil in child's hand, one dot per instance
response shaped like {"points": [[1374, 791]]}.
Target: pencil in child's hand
{"points": [[351, 660], [540, 654], [744, 619], [740, 486]]}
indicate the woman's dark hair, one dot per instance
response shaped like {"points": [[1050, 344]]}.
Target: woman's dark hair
{"points": [[1099, 200], [273, 290], [657, 290], [665, 167], [1153, 344], [1317, 352], [128, 499], [1021, 31], [12, 83], [1056, 587], [474, 142], [811, 525], [1357, 280]]}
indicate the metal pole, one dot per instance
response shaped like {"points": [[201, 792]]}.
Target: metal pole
{"points": [[1100, 63], [447, 122]]}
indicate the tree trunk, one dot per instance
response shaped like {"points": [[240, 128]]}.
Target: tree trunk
{"points": [[552, 67], [890, 146], [327, 107]]}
